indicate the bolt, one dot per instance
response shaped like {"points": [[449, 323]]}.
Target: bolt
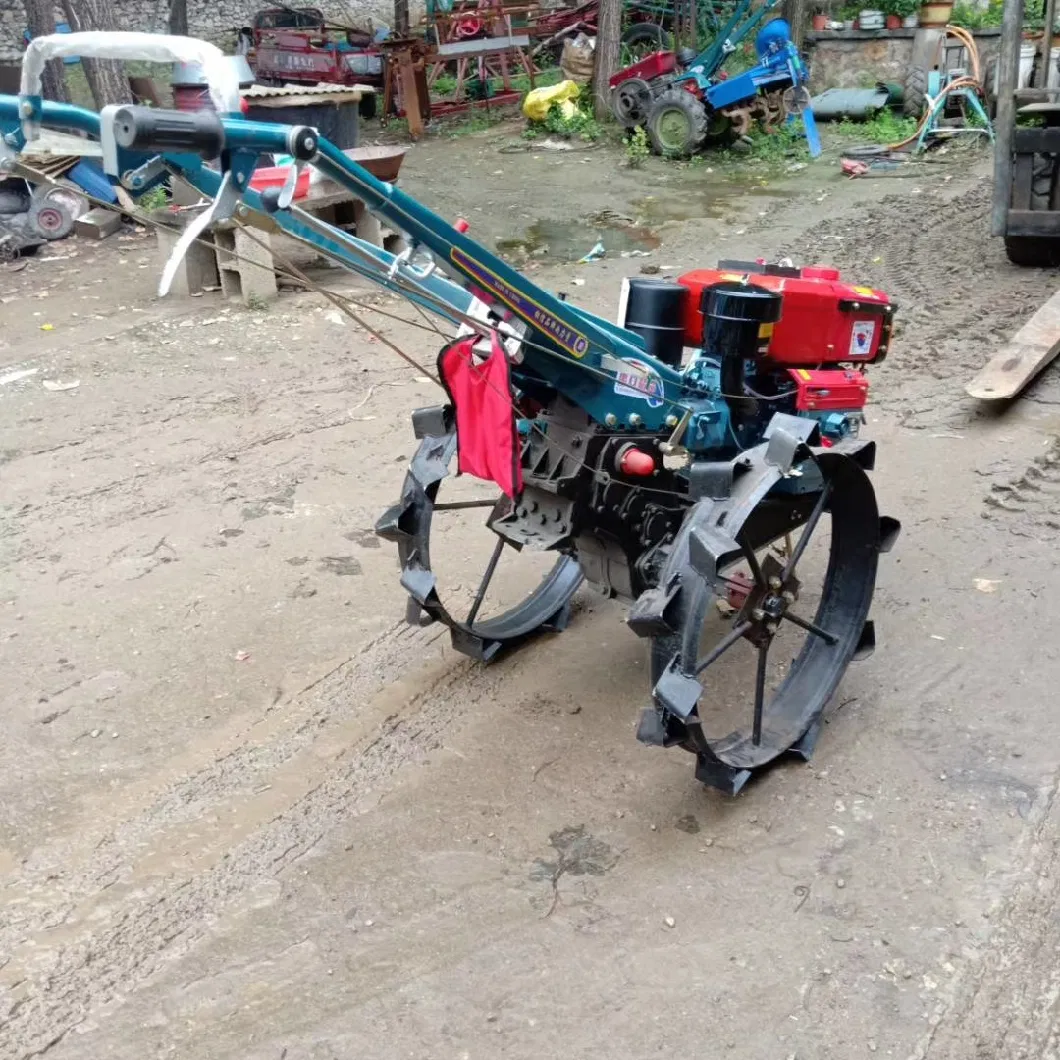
{"points": [[758, 614], [788, 597], [771, 627], [774, 583], [671, 420], [27, 110], [634, 420], [611, 419]]}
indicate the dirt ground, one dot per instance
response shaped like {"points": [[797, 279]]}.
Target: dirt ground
{"points": [[246, 813]]}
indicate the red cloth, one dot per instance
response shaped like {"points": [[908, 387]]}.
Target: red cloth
{"points": [[487, 438]]}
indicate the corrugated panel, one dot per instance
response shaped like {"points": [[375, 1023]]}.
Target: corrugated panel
{"points": [[324, 88]]}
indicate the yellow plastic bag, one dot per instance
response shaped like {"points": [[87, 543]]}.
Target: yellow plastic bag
{"points": [[537, 102]]}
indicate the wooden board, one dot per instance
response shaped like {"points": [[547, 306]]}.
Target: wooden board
{"points": [[1022, 358]]}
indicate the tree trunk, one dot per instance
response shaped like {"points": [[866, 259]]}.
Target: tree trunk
{"points": [[106, 77], [608, 48], [401, 19], [178, 17], [795, 13], [40, 18]]}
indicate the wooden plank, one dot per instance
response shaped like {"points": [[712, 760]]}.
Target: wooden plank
{"points": [[1033, 223], [1022, 183], [1022, 358], [482, 47], [1036, 141]]}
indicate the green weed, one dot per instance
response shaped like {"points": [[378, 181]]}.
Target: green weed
{"points": [[155, 199], [637, 148], [885, 127], [771, 148], [581, 124]]}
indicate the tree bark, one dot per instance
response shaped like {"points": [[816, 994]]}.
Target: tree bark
{"points": [[795, 12], [608, 49], [40, 18], [106, 77], [178, 17]]}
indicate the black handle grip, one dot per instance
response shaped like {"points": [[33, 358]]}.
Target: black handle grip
{"points": [[148, 129]]}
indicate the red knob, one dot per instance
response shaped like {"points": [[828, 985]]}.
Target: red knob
{"points": [[461, 225], [635, 461]]}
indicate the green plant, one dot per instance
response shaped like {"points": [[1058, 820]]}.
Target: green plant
{"points": [[901, 8], [155, 199], [971, 15], [774, 148], [885, 127], [637, 149], [580, 123]]}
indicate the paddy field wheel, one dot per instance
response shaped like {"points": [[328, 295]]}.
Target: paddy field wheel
{"points": [[759, 648], [458, 571]]}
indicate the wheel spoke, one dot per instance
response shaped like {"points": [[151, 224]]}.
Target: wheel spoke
{"points": [[807, 532], [723, 646], [760, 692], [828, 638], [453, 506], [486, 578], [752, 561]]}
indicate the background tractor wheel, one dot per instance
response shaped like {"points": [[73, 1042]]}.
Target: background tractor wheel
{"points": [[914, 97], [1039, 251], [641, 39], [677, 124]]}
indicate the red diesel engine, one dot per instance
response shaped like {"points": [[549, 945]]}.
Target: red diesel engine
{"points": [[812, 359]]}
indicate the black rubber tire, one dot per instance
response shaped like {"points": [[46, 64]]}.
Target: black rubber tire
{"points": [[1039, 252], [914, 96], [646, 33], [677, 99], [1032, 252]]}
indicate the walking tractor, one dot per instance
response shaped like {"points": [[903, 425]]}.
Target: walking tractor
{"points": [[686, 102], [699, 457]]}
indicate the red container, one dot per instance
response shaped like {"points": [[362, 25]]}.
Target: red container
{"points": [[823, 320], [276, 177], [829, 389]]}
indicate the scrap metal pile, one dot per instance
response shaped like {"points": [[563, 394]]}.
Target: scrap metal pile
{"points": [[699, 458]]}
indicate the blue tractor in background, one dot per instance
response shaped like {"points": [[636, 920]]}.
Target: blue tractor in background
{"points": [[687, 102]]}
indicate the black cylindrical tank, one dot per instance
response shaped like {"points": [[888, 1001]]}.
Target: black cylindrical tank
{"points": [[733, 318], [655, 311]]}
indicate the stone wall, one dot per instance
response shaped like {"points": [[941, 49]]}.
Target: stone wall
{"points": [[859, 58], [213, 20]]}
